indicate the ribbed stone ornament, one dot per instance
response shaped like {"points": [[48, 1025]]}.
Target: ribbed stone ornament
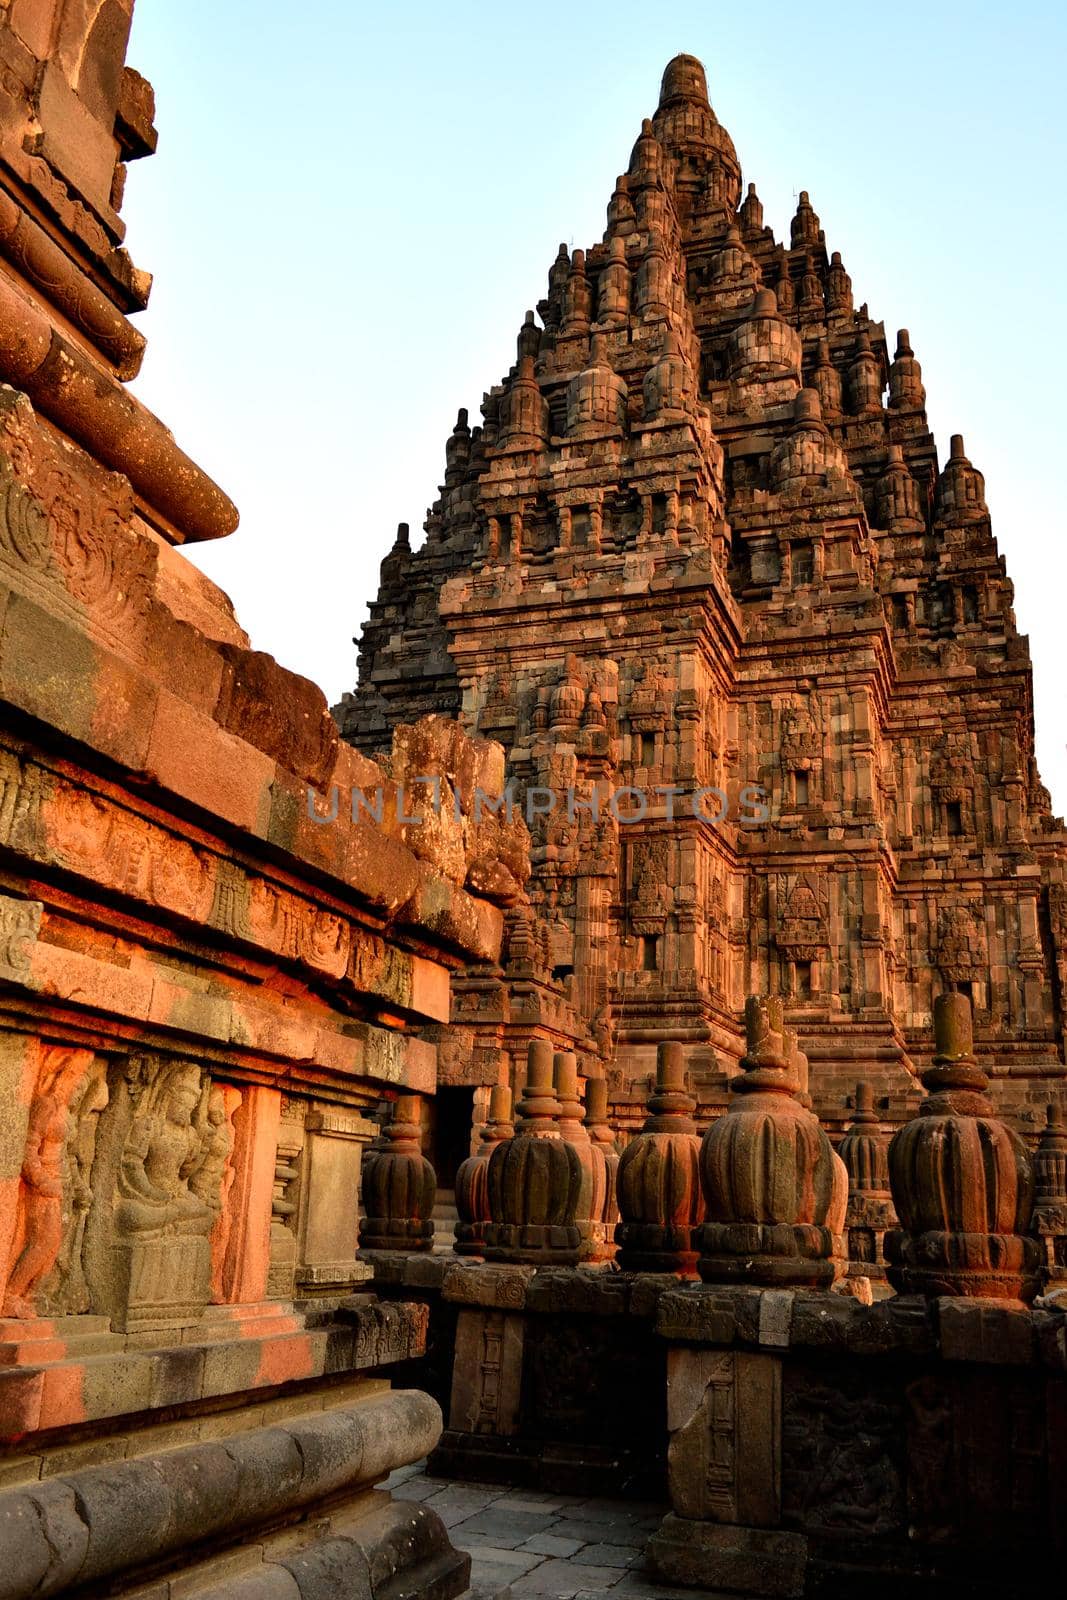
{"points": [[472, 1176], [596, 1120], [1050, 1193], [658, 1183], [399, 1185], [535, 1178], [864, 1151], [774, 1188], [962, 1181], [572, 1126]]}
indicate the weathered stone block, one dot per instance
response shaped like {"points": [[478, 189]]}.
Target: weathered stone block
{"points": [[724, 1422], [487, 1373], [761, 1562]]}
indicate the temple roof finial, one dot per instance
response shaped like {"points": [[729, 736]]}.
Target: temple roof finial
{"points": [[684, 79]]}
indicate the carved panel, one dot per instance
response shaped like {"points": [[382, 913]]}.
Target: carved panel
{"points": [[52, 1194], [163, 1147], [842, 1443]]}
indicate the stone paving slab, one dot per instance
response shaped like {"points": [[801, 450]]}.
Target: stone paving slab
{"points": [[527, 1542]]}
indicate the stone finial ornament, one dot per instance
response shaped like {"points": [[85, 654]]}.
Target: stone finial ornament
{"points": [[535, 1178], [1050, 1192], [865, 378], [826, 381], [898, 499], [596, 1120], [960, 497], [772, 1182], [399, 1186], [838, 285], [804, 228], [613, 286], [962, 1181], [658, 1182], [864, 1151], [572, 1125], [528, 342], [906, 390], [750, 213], [472, 1177]]}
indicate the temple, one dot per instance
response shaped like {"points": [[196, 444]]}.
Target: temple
{"points": [[701, 541], [762, 1284]]}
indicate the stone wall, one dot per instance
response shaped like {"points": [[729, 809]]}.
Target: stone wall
{"points": [[210, 972]]}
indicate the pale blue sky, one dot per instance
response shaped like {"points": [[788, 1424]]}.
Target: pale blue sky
{"points": [[353, 205]]}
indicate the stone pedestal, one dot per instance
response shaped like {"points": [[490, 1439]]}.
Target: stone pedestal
{"points": [[558, 1381], [724, 1420]]}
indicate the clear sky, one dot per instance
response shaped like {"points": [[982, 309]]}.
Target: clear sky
{"points": [[353, 204]]}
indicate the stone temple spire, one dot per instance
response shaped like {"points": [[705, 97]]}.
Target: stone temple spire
{"points": [[706, 163], [696, 474]]}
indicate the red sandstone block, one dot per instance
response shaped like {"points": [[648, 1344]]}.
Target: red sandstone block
{"points": [[380, 870], [429, 989], [173, 641], [173, 1005], [120, 991], [291, 1037], [195, 758], [52, 671]]}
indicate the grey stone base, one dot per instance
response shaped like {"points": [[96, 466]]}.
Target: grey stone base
{"points": [[289, 1511], [764, 1562], [551, 1466]]}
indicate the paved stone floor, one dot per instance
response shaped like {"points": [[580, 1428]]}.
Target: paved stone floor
{"points": [[558, 1546]]}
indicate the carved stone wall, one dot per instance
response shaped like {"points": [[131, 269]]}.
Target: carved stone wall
{"points": [[726, 557], [211, 970]]}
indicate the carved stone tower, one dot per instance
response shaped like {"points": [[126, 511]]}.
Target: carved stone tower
{"points": [[701, 541]]}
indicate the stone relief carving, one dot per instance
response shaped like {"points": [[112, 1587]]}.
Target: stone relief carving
{"points": [[652, 892], [803, 932], [961, 955], [20, 923], [66, 1292], [285, 1200], [842, 1447], [39, 1231], [21, 790], [164, 1140], [70, 532], [213, 1180]]}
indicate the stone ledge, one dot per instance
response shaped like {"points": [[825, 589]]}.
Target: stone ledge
{"points": [[982, 1331], [67, 1392]]}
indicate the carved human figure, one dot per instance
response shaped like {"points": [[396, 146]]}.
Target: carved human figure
{"points": [[163, 1151], [66, 1292], [39, 1229], [215, 1175]]}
